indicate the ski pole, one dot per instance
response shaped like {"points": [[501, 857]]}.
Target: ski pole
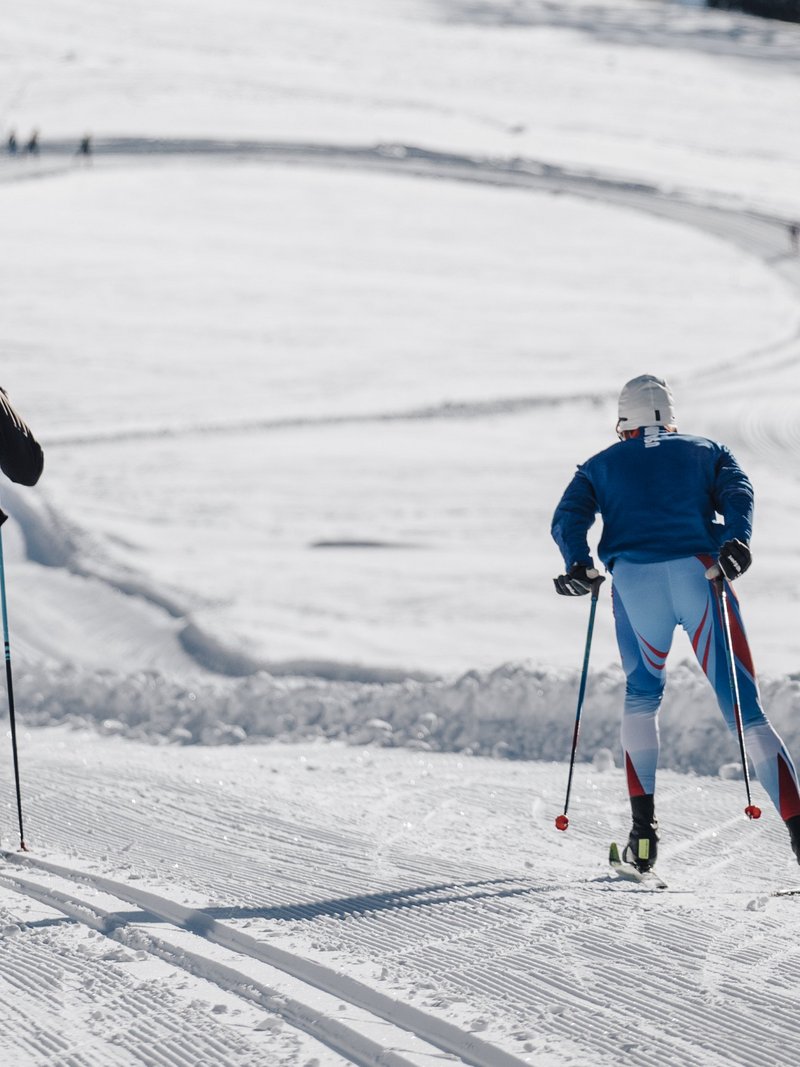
{"points": [[10, 686], [718, 582], [562, 822]]}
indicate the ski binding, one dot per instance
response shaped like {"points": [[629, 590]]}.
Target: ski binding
{"points": [[631, 873]]}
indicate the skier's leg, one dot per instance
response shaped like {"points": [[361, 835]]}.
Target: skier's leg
{"points": [[644, 625], [770, 758], [701, 619]]}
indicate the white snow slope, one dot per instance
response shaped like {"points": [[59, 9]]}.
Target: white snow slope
{"points": [[313, 344]]}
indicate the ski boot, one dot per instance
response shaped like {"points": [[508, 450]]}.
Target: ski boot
{"points": [[642, 847], [793, 826]]}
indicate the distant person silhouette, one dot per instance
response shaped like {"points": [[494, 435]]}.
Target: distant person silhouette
{"points": [[794, 236], [32, 147], [11, 143], [84, 149]]}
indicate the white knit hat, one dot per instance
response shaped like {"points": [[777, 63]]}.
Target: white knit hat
{"points": [[646, 401]]}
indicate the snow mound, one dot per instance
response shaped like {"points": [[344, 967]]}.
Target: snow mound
{"points": [[513, 712]]}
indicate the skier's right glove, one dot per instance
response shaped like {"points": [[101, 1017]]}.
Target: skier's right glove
{"points": [[734, 558], [577, 581]]}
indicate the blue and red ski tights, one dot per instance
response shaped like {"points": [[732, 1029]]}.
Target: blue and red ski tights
{"points": [[650, 601]]}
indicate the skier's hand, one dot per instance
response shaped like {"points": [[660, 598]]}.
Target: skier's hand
{"points": [[577, 581], [734, 558]]}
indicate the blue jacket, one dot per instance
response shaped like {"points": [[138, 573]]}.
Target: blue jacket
{"points": [[659, 495]]}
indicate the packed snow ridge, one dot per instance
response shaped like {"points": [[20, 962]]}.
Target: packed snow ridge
{"points": [[513, 712], [516, 711]]}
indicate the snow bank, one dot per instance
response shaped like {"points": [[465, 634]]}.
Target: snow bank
{"points": [[513, 712]]}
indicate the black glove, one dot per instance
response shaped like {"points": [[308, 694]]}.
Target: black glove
{"points": [[734, 558], [577, 581]]}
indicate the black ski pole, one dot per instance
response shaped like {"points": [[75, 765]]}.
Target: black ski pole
{"points": [[562, 822], [718, 582], [10, 686]]}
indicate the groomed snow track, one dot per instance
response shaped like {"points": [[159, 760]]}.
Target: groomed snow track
{"points": [[756, 232], [383, 1033], [430, 914]]}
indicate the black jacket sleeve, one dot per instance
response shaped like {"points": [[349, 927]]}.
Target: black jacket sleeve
{"points": [[21, 456]]}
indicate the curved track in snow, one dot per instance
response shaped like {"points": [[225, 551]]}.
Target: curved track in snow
{"points": [[757, 233], [769, 428]]}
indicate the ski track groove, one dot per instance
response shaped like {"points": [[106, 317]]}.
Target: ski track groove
{"points": [[639, 994], [33, 975], [146, 1022], [141, 1040], [455, 1043], [348, 856], [35, 1038], [549, 982], [448, 933]]}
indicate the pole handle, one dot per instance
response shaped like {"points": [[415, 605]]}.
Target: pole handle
{"points": [[595, 584]]}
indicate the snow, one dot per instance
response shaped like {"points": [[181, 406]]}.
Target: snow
{"points": [[313, 345], [430, 889], [351, 384]]}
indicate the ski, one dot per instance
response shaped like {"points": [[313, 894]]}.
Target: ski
{"points": [[627, 871], [787, 893]]}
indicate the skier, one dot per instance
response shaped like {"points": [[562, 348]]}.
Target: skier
{"points": [[84, 149], [659, 493], [794, 236], [21, 456]]}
